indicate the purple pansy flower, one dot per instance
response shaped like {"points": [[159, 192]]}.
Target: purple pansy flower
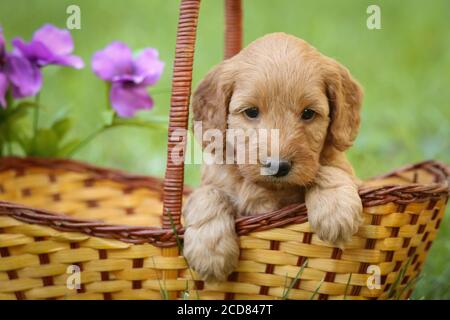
{"points": [[25, 78], [16, 72], [20, 69], [129, 76], [49, 45]]}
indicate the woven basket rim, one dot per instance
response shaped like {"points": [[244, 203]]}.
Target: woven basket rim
{"points": [[371, 196]]}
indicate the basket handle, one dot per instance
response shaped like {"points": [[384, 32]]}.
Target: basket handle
{"points": [[233, 27], [181, 92]]}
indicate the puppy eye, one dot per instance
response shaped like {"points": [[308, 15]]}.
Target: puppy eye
{"points": [[308, 114], [252, 112]]}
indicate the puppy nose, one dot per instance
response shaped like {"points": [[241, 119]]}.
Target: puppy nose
{"points": [[283, 168]]}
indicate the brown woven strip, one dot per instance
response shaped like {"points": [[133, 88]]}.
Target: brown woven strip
{"points": [[12, 274], [44, 259], [179, 111], [233, 27], [138, 263], [330, 276], [76, 245], [231, 278], [274, 245], [103, 255], [370, 244]]}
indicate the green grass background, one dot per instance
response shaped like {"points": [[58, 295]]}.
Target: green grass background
{"points": [[404, 68]]}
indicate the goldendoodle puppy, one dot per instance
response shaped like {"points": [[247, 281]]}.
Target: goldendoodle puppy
{"points": [[278, 82]]}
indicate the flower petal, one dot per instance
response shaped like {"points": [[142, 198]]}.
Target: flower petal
{"points": [[148, 66], [25, 77], [34, 51], [127, 100], [3, 89], [69, 61], [58, 41], [116, 59]]}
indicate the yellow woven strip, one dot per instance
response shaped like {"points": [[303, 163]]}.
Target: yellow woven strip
{"points": [[362, 255], [39, 247], [331, 265], [290, 272], [135, 252], [247, 242], [356, 279], [167, 284], [7, 296], [138, 274], [277, 234], [236, 287], [416, 207], [17, 262], [268, 256], [294, 294], [396, 219], [263, 279], [10, 240], [382, 209], [33, 230], [306, 250], [108, 286], [70, 236], [86, 277], [74, 255], [323, 287], [6, 222], [48, 292], [374, 232], [388, 244], [301, 227], [40, 271], [160, 262], [250, 266], [102, 243], [107, 265], [19, 284]]}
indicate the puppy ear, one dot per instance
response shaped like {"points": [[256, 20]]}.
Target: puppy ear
{"points": [[344, 98], [212, 97]]}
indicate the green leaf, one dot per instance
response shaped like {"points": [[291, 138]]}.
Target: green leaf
{"points": [[20, 137], [68, 147], [26, 104], [108, 117], [61, 127], [45, 143]]}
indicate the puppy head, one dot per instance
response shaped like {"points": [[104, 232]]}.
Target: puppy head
{"points": [[280, 82]]}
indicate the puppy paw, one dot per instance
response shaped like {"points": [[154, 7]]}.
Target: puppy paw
{"points": [[212, 256], [334, 213], [211, 245]]}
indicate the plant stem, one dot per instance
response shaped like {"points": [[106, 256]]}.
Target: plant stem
{"points": [[36, 114], [9, 143], [155, 123], [88, 139], [35, 120], [117, 122], [9, 105]]}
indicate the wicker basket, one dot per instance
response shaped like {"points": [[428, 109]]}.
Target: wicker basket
{"points": [[56, 214]]}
